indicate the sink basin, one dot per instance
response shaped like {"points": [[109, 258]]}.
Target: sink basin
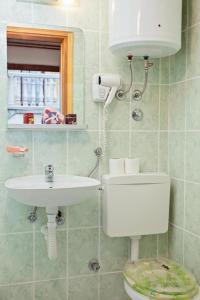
{"points": [[64, 191]]}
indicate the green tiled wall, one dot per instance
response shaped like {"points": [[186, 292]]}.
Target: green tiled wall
{"points": [[184, 143], [25, 271]]}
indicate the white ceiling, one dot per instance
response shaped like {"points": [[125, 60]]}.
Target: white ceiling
{"points": [[48, 2]]}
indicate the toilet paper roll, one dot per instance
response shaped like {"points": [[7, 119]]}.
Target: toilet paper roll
{"points": [[116, 166], [132, 165]]}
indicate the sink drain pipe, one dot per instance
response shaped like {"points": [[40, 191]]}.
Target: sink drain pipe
{"points": [[51, 232]]}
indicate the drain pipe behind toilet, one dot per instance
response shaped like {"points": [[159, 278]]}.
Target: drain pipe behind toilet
{"points": [[135, 246]]}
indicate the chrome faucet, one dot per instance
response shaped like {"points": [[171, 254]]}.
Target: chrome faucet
{"points": [[49, 173]]}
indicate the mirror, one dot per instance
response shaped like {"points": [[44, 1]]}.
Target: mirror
{"points": [[45, 76]]}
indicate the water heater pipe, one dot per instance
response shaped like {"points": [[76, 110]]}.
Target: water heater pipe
{"points": [[120, 94], [137, 94]]}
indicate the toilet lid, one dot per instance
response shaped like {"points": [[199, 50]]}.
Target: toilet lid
{"points": [[160, 278]]}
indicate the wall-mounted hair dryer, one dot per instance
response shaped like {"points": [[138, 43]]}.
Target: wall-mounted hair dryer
{"points": [[104, 87]]}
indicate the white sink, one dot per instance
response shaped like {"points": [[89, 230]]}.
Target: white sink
{"points": [[64, 191]]}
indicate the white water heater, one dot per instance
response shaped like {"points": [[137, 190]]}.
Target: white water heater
{"points": [[145, 27]]}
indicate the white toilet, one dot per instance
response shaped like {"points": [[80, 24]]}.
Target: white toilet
{"points": [[159, 278], [136, 205]]}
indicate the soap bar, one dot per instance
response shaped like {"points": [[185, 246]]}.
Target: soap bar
{"points": [[14, 149]]}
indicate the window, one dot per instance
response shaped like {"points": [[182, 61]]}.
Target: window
{"points": [[39, 71]]}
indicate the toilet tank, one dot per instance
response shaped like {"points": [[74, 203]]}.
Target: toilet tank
{"points": [[135, 204]]}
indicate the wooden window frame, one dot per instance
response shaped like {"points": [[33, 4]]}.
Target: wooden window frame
{"points": [[27, 67], [66, 40]]}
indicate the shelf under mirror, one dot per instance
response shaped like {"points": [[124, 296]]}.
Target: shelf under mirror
{"points": [[55, 127]]}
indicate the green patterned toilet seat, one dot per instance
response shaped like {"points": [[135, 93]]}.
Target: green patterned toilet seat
{"points": [[160, 278]]}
